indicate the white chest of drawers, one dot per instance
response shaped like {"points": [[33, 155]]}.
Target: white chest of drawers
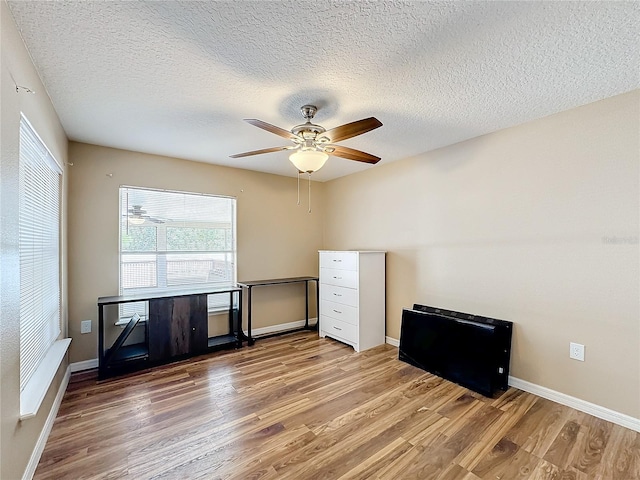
{"points": [[352, 297]]}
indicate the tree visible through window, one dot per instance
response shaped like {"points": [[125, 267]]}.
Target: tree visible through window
{"points": [[175, 240]]}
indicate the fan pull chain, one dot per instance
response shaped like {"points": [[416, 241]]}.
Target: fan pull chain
{"points": [[298, 187], [309, 174]]}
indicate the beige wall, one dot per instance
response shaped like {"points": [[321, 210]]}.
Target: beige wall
{"points": [[276, 237], [537, 224], [18, 439]]}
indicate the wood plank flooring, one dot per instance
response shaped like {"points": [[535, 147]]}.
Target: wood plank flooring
{"points": [[300, 407]]}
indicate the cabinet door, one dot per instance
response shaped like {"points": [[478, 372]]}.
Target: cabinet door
{"points": [[199, 323], [160, 313], [177, 326]]}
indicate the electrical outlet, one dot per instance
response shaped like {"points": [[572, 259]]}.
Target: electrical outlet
{"points": [[85, 326], [576, 351]]}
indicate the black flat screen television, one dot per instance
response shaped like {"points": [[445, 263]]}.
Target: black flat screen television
{"points": [[470, 350]]}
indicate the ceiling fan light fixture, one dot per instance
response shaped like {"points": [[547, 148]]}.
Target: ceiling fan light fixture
{"points": [[308, 161], [136, 220]]}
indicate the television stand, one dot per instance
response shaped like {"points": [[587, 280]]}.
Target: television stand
{"points": [[177, 328]]}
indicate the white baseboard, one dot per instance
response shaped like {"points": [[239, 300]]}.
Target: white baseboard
{"points": [[84, 365], [392, 341], [280, 327], [46, 429], [612, 416]]}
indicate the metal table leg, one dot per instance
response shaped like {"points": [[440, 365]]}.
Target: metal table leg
{"points": [[250, 339], [306, 308], [317, 305], [101, 366]]}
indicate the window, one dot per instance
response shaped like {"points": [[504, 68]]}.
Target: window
{"points": [[39, 250], [175, 240]]}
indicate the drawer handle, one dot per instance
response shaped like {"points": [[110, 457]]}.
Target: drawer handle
{"points": [[338, 278], [337, 294], [336, 311], [335, 260], [337, 328]]}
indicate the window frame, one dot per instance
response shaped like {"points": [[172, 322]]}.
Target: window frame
{"points": [[161, 286]]}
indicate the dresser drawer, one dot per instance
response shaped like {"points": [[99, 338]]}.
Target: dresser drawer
{"points": [[345, 296], [339, 260], [340, 278], [337, 329], [339, 311]]}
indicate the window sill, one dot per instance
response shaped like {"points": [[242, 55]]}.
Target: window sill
{"points": [[34, 392], [220, 310]]}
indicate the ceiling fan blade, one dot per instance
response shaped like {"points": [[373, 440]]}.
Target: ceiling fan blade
{"points": [[352, 154], [258, 152], [352, 129], [270, 128]]}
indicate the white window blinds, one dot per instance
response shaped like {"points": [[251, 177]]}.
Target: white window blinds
{"points": [[175, 240], [39, 249]]}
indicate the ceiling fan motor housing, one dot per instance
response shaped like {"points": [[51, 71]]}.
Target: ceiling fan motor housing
{"points": [[308, 131]]}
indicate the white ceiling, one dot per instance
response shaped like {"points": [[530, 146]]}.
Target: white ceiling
{"points": [[177, 78]]}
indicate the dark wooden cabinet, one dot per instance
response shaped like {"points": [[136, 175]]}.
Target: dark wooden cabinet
{"points": [[177, 327]]}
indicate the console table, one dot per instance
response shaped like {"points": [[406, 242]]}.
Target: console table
{"points": [[177, 327], [280, 281]]}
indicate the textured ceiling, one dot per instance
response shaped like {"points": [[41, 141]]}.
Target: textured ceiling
{"points": [[177, 78]]}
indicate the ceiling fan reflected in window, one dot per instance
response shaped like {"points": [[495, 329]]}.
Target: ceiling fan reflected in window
{"points": [[137, 216], [313, 144]]}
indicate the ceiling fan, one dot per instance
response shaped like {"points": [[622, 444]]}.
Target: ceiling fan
{"points": [[138, 216], [312, 144]]}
